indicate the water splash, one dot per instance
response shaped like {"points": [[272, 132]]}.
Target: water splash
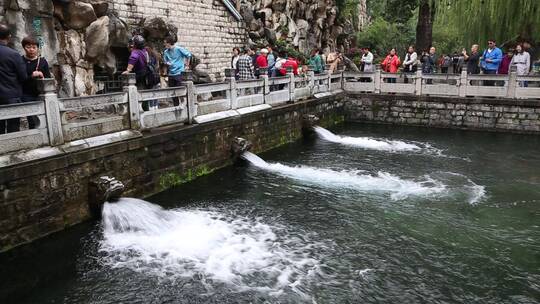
{"points": [[384, 144], [246, 254], [366, 142], [436, 185], [354, 180]]}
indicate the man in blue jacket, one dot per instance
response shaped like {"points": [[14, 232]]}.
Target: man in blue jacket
{"points": [[12, 76], [490, 61]]}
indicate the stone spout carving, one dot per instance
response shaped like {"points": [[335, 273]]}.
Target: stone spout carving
{"points": [[104, 189], [308, 122], [239, 146]]}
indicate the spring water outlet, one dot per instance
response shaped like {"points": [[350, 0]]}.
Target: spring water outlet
{"points": [[104, 189]]}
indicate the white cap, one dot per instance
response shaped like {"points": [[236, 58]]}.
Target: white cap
{"points": [[264, 51]]}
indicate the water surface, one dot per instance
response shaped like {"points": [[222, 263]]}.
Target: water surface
{"points": [[366, 214]]}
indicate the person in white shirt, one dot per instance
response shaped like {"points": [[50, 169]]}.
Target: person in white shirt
{"points": [[367, 60], [411, 62], [522, 61]]}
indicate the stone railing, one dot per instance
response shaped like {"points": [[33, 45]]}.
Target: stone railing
{"points": [[70, 121], [460, 85]]}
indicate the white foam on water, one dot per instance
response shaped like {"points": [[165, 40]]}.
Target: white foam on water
{"points": [[461, 184], [367, 142], [436, 185], [382, 144], [355, 180], [246, 254]]}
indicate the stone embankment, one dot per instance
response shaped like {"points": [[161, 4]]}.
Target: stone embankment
{"points": [[487, 114]]}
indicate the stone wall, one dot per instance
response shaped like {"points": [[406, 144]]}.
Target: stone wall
{"points": [[205, 27], [41, 197], [447, 112], [79, 35]]}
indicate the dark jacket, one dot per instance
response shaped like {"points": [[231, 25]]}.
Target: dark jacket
{"points": [[30, 88], [429, 63], [12, 74], [473, 64]]}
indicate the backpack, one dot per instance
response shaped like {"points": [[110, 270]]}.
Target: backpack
{"points": [[151, 72]]}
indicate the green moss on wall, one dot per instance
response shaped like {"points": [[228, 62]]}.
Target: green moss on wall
{"points": [[173, 179]]}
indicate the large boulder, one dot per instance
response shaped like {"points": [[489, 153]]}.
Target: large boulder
{"points": [[97, 38], [101, 8], [157, 29], [79, 15], [72, 47], [118, 32], [67, 81]]}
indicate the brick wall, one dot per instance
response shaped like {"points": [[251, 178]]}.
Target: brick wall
{"points": [[205, 27]]}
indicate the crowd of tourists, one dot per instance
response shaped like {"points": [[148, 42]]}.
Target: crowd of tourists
{"points": [[248, 63], [19, 73], [492, 60]]}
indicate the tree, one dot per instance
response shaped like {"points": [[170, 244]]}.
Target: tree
{"points": [[424, 27]]}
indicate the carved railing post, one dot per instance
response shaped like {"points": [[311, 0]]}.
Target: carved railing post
{"points": [[292, 86], [191, 99], [377, 79], [47, 91], [512, 82], [418, 82], [263, 72], [463, 82], [329, 82], [311, 82], [231, 92], [130, 88]]}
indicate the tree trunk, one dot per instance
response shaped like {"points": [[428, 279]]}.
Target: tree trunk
{"points": [[424, 27]]}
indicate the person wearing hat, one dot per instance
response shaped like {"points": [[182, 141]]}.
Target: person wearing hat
{"points": [[261, 62], [137, 60]]}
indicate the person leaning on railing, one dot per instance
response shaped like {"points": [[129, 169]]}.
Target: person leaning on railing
{"points": [[36, 68], [12, 76]]}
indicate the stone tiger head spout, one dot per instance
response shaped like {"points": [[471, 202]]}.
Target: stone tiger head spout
{"points": [[239, 146], [104, 189]]}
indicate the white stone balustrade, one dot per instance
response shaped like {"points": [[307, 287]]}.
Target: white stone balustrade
{"points": [[70, 119]]}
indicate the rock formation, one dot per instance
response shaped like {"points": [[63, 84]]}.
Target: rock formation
{"points": [[77, 36], [304, 24]]}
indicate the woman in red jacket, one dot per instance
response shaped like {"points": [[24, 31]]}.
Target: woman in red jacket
{"points": [[391, 64]]}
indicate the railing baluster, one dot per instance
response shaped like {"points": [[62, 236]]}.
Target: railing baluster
{"points": [[47, 89], [130, 88]]}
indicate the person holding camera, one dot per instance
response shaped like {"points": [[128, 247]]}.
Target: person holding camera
{"points": [[410, 64], [429, 63]]}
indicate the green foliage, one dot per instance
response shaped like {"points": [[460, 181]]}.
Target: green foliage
{"points": [[503, 20], [348, 10], [381, 36], [282, 45], [447, 39]]}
